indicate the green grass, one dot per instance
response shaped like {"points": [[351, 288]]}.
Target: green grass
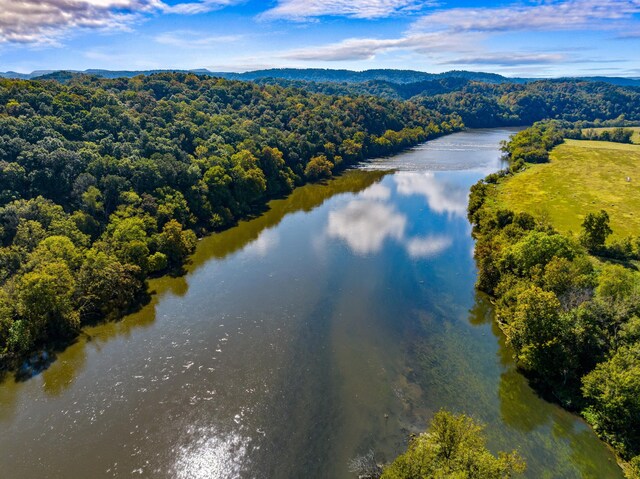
{"points": [[636, 132], [581, 177]]}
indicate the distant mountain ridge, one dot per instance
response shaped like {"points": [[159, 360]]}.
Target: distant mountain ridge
{"points": [[319, 75]]}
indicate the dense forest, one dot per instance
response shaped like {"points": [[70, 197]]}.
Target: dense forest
{"points": [[482, 104], [105, 182], [320, 75], [569, 306]]}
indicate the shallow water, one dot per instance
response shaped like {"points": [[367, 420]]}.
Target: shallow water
{"points": [[334, 324]]}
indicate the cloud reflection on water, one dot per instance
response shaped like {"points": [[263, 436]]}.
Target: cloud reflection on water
{"points": [[367, 221], [265, 243], [376, 192], [428, 246], [441, 197], [365, 224]]}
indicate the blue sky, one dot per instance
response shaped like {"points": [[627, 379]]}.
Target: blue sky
{"points": [[515, 38]]}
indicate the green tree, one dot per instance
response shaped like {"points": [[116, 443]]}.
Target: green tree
{"points": [[632, 469], [157, 262], [453, 448], [28, 234], [595, 230], [537, 248], [176, 243], [318, 167], [53, 249], [44, 301], [617, 283], [613, 392], [538, 333], [106, 288], [6, 321]]}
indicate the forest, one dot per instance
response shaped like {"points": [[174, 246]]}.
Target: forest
{"points": [[483, 104], [104, 183], [568, 304]]}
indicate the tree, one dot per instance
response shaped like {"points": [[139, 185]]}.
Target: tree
{"points": [[563, 276], [595, 230], [617, 284], [28, 234], [53, 249], [632, 471], [6, 321], [538, 333], [453, 448], [613, 392], [175, 243], [44, 301], [280, 178], [106, 288], [537, 248], [157, 262], [318, 167]]}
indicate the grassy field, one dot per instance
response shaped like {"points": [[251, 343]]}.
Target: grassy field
{"points": [[636, 132], [582, 177]]}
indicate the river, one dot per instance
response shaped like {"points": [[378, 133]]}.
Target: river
{"points": [[334, 324]]}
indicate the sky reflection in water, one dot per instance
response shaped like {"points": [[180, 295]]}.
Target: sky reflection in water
{"points": [[372, 218]]}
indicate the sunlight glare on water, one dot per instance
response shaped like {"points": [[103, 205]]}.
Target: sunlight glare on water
{"points": [[207, 454]]}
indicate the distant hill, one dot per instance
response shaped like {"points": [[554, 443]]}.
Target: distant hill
{"points": [[400, 77], [306, 74], [24, 76], [620, 81], [349, 76]]}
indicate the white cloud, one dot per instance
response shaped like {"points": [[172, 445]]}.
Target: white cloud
{"points": [[367, 48], [463, 31], [511, 59], [365, 225], [369, 9], [191, 39], [201, 6], [45, 21], [542, 16]]}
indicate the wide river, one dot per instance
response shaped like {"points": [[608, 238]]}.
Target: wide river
{"points": [[333, 325]]}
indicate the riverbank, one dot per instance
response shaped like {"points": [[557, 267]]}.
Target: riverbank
{"points": [[565, 306]]}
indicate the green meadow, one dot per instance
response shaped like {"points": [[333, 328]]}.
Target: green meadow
{"points": [[581, 177]]}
